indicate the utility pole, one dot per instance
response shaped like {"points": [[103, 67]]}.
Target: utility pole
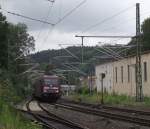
{"points": [[82, 45], [102, 76], [139, 91], [8, 55]]}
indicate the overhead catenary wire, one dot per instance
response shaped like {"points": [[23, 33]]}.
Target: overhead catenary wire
{"points": [[74, 68], [27, 17], [108, 54], [45, 19], [69, 52], [63, 18], [106, 19], [70, 12], [125, 21]]}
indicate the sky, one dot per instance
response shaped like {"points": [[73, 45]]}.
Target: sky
{"points": [[93, 17]]}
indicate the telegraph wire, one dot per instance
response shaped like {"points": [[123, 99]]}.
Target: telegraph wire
{"points": [[106, 19], [26, 17]]}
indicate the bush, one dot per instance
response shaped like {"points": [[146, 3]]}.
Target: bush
{"points": [[83, 90]]}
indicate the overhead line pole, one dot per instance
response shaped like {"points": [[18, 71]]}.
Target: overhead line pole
{"points": [[82, 45], [139, 91], [100, 36]]}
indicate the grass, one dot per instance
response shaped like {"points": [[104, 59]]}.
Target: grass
{"points": [[111, 99], [11, 119]]}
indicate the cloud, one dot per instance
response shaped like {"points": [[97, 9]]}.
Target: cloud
{"points": [[90, 13]]}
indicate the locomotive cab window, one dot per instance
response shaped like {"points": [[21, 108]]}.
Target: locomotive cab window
{"points": [[51, 81]]}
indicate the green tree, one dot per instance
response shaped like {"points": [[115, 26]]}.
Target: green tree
{"points": [[144, 40], [3, 41], [15, 45], [146, 34], [20, 44]]}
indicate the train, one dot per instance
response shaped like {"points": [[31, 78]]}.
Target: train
{"points": [[47, 88]]}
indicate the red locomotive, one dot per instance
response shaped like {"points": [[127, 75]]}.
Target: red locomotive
{"points": [[47, 88]]}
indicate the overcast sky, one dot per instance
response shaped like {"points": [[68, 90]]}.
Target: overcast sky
{"points": [[89, 14]]}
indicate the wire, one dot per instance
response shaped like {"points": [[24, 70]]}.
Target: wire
{"points": [[106, 19], [26, 17], [70, 12], [125, 21], [45, 19], [60, 9], [61, 19]]}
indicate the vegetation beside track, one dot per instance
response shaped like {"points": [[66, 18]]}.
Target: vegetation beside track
{"points": [[111, 99], [15, 45], [12, 119]]}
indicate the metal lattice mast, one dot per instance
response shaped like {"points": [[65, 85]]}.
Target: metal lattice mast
{"points": [[139, 92]]}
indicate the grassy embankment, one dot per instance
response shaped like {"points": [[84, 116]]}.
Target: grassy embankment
{"points": [[10, 118], [111, 99]]}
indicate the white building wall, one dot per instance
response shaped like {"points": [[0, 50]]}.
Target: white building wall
{"points": [[146, 84], [128, 86], [107, 82]]}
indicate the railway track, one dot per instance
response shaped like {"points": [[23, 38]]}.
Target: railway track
{"points": [[95, 110], [114, 108], [46, 118], [62, 120], [38, 117]]}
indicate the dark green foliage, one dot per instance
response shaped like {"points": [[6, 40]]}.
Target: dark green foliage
{"points": [[145, 38], [3, 41], [53, 57], [146, 34], [83, 90], [15, 44]]}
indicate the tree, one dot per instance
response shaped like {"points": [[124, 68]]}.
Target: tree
{"points": [[146, 34], [20, 44], [144, 40], [3, 41], [15, 45]]}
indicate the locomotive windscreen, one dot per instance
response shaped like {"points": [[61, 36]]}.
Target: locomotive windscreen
{"points": [[49, 81]]}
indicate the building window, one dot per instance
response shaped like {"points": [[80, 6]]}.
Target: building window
{"points": [[128, 73], [122, 74], [116, 73], [145, 71]]}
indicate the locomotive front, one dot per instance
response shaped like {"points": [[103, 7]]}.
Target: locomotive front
{"points": [[51, 87]]}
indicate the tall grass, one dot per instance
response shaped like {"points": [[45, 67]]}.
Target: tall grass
{"points": [[11, 119], [112, 99]]}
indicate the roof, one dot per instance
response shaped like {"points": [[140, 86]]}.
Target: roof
{"points": [[50, 76], [129, 56]]}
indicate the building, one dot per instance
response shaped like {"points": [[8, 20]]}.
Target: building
{"points": [[89, 81], [120, 75], [68, 89]]}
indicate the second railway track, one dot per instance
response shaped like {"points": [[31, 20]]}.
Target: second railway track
{"points": [[114, 108], [122, 116]]}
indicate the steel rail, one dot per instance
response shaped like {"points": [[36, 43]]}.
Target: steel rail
{"points": [[62, 120], [106, 114], [38, 117], [100, 106]]}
